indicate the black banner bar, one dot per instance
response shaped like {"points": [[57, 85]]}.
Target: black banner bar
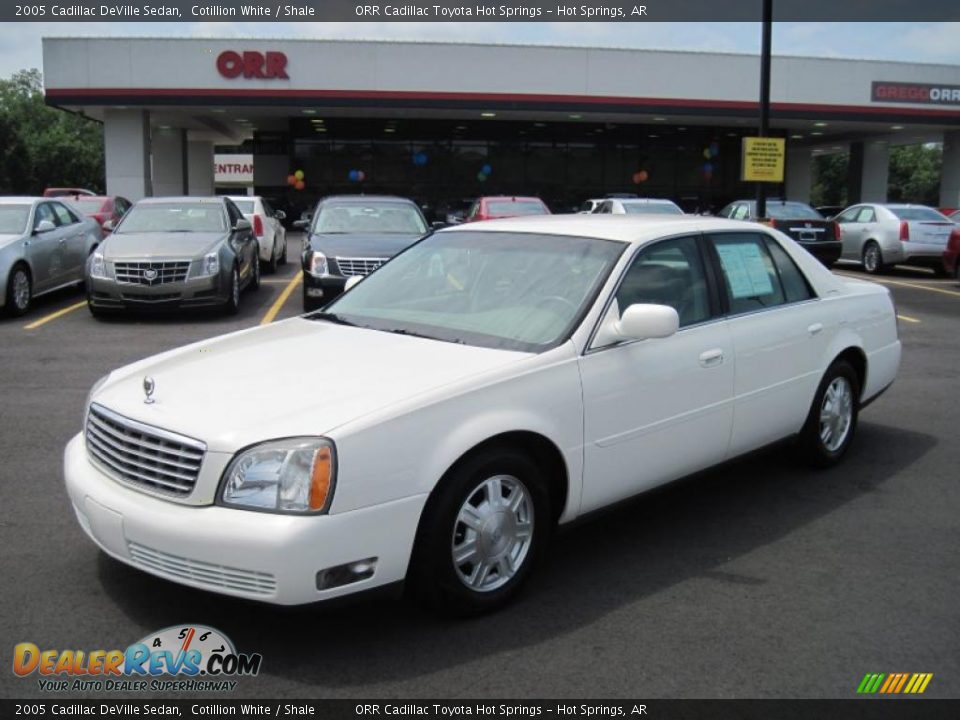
{"points": [[475, 11]]}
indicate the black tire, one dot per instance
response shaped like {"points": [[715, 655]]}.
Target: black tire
{"points": [[873, 264], [814, 450], [254, 283], [434, 579], [940, 271], [283, 255], [231, 305], [273, 262], [17, 303]]}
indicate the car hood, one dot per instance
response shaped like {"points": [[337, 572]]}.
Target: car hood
{"points": [[361, 245], [120, 246], [7, 238], [227, 393]]}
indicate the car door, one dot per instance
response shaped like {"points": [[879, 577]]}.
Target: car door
{"points": [[73, 240], [45, 251], [244, 242], [780, 332], [851, 234], [657, 409]]}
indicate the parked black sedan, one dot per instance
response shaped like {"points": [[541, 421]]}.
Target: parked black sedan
{"points": [[353, 235], [817, 235], [175, 252]]}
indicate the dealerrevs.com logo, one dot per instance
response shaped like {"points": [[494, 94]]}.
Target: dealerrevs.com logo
{"points": [[201, 658]]}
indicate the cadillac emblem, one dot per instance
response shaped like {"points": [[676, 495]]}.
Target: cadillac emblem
{"points": [[148, 387]]}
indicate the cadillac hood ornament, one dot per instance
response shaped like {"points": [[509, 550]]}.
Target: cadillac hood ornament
{"points": [[148, 387]]}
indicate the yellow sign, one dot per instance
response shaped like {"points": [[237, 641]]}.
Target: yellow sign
{"points": [[763, 159]]}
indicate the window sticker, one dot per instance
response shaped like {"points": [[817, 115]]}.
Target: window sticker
{"points": [[745, 270]]}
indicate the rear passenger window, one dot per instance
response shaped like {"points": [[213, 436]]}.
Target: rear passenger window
{"points": [[668, 273], [63, 215], [740, 213], [750, 277], [795, 285], [866, 215]]}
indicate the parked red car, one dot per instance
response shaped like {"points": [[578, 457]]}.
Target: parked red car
{"points": [[951, 256], [102, 208], [504, 206]]}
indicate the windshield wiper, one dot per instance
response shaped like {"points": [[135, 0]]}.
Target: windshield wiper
{"points": [[411, 333], [331, 317]]}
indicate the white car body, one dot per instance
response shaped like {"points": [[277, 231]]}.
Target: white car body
{"points": [[401, 410], [273, 240], [880, 224], [638, 206]]}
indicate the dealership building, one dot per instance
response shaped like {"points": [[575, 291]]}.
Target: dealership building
{"points": [[443, 122]]}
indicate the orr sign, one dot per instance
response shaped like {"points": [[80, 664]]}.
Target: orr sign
{"points": [[251, 64], [920, 93]]}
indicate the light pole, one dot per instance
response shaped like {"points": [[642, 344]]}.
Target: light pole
{"points": [[764, 95]]}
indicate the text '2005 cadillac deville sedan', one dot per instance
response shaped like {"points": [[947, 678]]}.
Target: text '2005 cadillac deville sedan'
{"points": [[490, 382]]}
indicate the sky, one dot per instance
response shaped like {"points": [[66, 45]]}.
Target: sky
{"points": [[910, 42]]}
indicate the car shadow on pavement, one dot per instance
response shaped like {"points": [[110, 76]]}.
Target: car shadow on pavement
{"points": [[689, 529]]}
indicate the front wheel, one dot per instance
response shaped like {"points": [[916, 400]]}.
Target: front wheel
{"points": [[873, 258], [481, 534], [19, 291], [832, 421]]}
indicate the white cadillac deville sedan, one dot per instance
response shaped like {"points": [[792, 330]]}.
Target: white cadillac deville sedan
{"points": [[449, 411]]}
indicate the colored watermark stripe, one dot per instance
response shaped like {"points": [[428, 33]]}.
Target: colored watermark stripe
{"points": [[894, 683]]}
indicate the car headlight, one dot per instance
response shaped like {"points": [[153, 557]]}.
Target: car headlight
{"points": [[98, 267], [295, 475], [317, 265], [210, 265]]}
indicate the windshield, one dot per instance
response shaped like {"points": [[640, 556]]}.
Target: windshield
{"points": [[244, 206], [369, 219], [173, 217], [918, 213], [508, 291], [13, 219], [652, 209], [792, 211], [512, 208], [87, 203]]}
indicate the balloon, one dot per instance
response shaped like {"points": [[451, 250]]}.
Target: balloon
{"points": [[714, 149], [300, 185], [486, 170], [291, 180], [643, 175], [481, 177], [420, 159], [706, 153], [361, 175], [298, 174], [708, 167], [636, 178], [353, 175]]}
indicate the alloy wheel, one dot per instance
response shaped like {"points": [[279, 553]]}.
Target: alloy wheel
{"points": [[836, 414]]}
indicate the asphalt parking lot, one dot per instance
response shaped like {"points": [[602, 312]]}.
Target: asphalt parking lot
{"points": [[760, 579]]}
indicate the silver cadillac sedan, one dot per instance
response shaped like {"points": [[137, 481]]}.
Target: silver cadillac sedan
{"points": [[175, 252], [43, 246]]}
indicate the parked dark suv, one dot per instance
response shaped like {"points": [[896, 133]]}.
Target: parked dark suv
{"points": [[819, 236], [353, 235]]}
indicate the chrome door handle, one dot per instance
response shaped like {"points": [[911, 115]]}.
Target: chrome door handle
{"points": [[815, 328], [62, 240], [710, 358]]}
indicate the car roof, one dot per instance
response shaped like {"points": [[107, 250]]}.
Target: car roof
{"points": [[511, 198], [218, 200], [636, 229], [643, 201], [21, 199], [367, 198], [243, 197]]}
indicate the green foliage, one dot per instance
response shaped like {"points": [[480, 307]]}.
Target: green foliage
{"points": [[830, 179], [43, 146], [915, 174]]}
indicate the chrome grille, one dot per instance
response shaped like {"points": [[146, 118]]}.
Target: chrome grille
{"points": [[203, 573], [151, 273], [142, 455], [359, 266]]}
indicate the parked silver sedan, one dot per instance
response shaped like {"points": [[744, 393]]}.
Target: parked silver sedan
{"points": [[43, 246], [173, 253], [880, 236]]}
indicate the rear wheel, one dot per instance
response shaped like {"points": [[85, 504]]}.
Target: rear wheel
{"points": [[19, 290], [832, 421], [283, 251], [274, 260], [481, 534], [873, 258], [232, 304], [255, 280]]}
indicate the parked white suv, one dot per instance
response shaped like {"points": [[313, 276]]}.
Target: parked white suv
{"points": [[267, 227]]}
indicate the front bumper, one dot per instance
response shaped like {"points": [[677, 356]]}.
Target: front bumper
{"points": [[260, 556], [321, 290], [109, 294]]}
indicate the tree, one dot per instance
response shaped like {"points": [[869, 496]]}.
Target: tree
{"points": [[915, 173], [44, 146], [830, 179]]}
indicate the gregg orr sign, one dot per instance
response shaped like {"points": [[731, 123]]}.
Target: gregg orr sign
{"points": [[901, 92], [252, 64]]}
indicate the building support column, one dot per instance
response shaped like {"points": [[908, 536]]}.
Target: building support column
{"points": [[869, 172], [199, 167], [950, 172], [799, 174], [126, 145], [169, 166]]}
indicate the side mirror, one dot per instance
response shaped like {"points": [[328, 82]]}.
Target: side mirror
{"points": [[280, 215], [242, 224], [301, 224], [44, 226], [351, 281], [643, 321], [109, 225], [437, 224]]}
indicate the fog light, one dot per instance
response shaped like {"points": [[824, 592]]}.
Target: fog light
{"points": [[346, 574], [314, 292]]}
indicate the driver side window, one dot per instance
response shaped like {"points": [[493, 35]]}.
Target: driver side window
{"points": [[44, 212], [671, 273]]}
